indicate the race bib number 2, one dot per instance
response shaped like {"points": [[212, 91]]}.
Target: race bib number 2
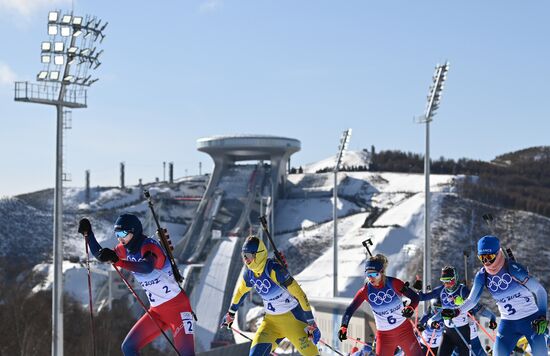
{"points": [[188, 322]]}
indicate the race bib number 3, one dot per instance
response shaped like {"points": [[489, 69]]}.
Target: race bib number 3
{"points": [[188, 322]]}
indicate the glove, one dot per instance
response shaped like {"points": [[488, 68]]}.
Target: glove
{"points": [[417, 284], [343, 332], [448, 314], [435, 325], [539, 325], [312, 331], [84, 226], [492, 324], [407, 312], [228, 320], [107, 255], [420, 327]]}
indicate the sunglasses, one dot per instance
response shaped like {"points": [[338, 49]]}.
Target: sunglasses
{"points": [[121, 234], [373, 274], [487, 257]]}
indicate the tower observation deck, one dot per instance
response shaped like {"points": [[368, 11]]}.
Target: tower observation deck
{"points": [[227, 150]]}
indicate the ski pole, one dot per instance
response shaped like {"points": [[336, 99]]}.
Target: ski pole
{"points": [[145, 308], [246, 337], [462, 337], [481, 327], [422, 337], [90, 293], [240, 333], [431, 338], [330, 347]]}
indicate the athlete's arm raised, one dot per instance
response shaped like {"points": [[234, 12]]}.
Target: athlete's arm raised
{"points": [[475, 293]]}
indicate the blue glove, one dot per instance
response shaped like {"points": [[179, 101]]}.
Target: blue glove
{"points": [[312, 331]]}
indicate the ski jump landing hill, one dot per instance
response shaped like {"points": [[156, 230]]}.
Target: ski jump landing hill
{"points": [[231, 204]]}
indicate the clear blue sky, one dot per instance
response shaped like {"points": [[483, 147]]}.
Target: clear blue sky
{"points": [[175, 71]]}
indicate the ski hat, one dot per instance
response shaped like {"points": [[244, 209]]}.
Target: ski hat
{"points": [[254, 245], [376, 263], [373, 266], [131, 223], [487, 245]]}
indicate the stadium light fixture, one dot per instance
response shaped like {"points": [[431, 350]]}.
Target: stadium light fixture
{"points": [[61, 83], [434, 99]]}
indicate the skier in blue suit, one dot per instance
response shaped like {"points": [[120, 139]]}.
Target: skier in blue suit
{"points": [[521, 299]]}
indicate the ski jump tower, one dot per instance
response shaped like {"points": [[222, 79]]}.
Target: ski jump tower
{"points": [[228, 150]]}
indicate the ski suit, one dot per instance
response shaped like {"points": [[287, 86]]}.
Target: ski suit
{"points": [[286, 306], [520, 300], [457, 330], [393, 329], [169, 305]]}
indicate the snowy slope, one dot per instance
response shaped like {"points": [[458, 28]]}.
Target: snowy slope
{"points": [[349, 159], [396, 233]]}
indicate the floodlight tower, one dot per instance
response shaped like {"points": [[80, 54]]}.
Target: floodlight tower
{"points": [[344, 141], [434, 98], [67, 57]]}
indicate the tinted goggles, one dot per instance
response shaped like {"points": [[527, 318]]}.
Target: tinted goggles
{"points": [[490, 257], [373, 274], [121, 234], [448, 280]]}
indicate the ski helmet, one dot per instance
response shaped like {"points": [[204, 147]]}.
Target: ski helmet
{"points": [[253, 245], [488, 245], [449, 276], [131, 223]]}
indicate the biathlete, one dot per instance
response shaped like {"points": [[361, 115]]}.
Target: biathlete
{"points": [[431, 329], [451, 295], [384, 294], [288, 313], [148, 262], [521, 299]]}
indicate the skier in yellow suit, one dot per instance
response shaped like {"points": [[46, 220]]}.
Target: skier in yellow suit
{"points": [[288, 313]]}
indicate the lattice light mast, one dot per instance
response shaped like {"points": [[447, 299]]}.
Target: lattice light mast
{"points": [[67, 56], [434, 98], [344, 141]]}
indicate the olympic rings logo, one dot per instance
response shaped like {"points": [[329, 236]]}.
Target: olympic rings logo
{"points": [[382, 297], [496, 282], [447, 299], [262, 287]]}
